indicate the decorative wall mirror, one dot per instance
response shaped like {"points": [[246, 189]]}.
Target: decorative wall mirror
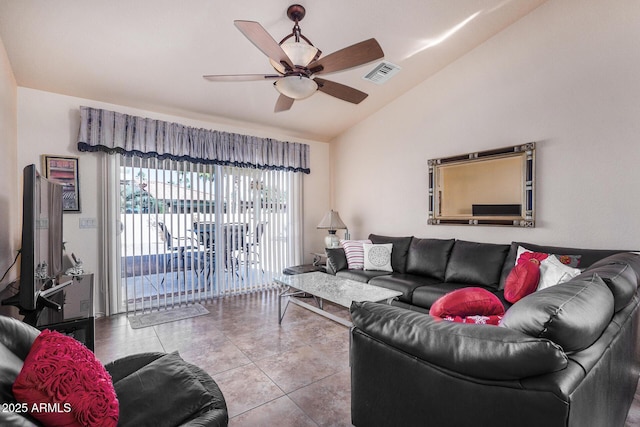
{"points": [[494, 187]]}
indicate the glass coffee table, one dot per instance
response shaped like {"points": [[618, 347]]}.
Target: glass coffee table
{"points": [[323, 286]]}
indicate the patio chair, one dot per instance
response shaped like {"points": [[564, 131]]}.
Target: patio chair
{"points": [[180, 249], [250, 253]]}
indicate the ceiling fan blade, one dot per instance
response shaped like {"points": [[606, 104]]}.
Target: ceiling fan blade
{"points": [[263, 41], [346, 93], [240, 77], [283, 103], [349, 57]]}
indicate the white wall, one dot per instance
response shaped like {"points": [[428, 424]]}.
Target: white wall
{"points": [[48, 123], [9, 211], [565, 76]]}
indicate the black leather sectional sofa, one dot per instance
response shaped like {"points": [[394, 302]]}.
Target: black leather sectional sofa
{"points": [[562, 356]]}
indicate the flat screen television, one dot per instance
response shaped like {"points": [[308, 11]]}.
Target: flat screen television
{"points": [[42, 244]]}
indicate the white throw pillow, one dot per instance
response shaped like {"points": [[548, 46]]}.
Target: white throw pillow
{"points": [[378, 257], [553, 272]]}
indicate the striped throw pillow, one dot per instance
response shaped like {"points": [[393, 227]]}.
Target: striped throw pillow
{"points": [[354, 250]]}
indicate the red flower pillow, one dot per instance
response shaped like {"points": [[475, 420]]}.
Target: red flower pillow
{"points": [[524, 277], [465, 302], [64, 384]]}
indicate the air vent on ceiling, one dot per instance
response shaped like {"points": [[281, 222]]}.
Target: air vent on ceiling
{"points": [[382, 72]]}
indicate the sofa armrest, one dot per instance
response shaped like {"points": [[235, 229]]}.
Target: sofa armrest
{"points": [[17, 336], [12, 419], [480, 351], [118, 369]]}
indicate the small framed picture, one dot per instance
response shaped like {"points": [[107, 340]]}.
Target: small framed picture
{"points": [[65, 171]]}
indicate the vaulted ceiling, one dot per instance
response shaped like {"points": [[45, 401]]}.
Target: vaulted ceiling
{"points": [[152, 54]]}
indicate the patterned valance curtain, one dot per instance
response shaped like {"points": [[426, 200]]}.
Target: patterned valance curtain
{"points": [[112, 132]]}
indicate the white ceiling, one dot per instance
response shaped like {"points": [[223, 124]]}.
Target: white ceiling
{"points": [[151, 54]]}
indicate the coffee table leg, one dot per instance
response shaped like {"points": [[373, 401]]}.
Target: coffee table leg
{"points": [[284, 294]]}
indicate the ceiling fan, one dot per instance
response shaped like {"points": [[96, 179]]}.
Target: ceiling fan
{"points": [[298, 62]]}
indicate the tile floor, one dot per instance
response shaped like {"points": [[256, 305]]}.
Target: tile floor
{"points": [[294, 374]]}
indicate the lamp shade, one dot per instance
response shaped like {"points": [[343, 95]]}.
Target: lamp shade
{"points": [[332, 221]]}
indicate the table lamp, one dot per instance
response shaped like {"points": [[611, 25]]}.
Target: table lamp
{"points": [[332, 222]]}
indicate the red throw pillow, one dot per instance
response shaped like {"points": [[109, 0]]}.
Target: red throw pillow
{"points": [[467, 302], [64, 384], [524, 277]]}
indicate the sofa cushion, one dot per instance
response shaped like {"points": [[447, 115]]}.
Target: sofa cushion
{"points": [[377, 257], [361, 275], [467, 302], [429, 257], [477, 264], [572, 314], [405, 283], [425, 295], [61, 371], [400, 250], [179, 394], [489, 352]]}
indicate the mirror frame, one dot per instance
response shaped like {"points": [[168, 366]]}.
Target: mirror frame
{"points": [[525, 219]]}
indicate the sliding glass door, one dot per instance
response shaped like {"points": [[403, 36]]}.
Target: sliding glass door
{"points": [[192, 232]]}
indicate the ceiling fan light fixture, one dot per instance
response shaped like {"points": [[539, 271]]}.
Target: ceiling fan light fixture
{"points": [[296, 87], [300, 54]]}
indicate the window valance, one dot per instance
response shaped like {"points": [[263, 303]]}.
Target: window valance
{"points": [[112, 132]]}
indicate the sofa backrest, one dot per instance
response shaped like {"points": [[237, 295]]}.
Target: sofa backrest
{"points": [[399, 251], [620, 272], [16, 339], [429, 257], [478, 264]]}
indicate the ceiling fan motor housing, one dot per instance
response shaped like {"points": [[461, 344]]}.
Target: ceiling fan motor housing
{"points": [[296, 12]]}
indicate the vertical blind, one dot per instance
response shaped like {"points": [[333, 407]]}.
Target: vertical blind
{"points": [[202, 213], [191, 232]]}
